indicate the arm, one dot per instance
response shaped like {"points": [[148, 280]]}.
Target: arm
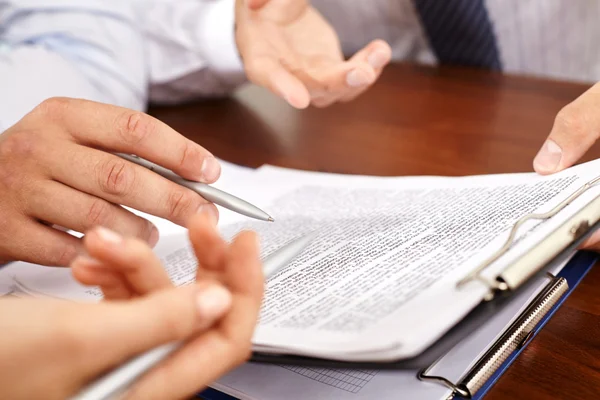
{"points": [[192, 49], [88, 49], [286, 46]]}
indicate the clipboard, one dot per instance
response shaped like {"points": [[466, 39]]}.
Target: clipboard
{"points": [[556, 248], [573, 273]]}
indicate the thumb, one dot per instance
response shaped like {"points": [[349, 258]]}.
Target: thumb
{"points": [[575, 130], [125, 329]]}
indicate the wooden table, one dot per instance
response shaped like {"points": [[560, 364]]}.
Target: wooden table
{"points": [[424, 121]]}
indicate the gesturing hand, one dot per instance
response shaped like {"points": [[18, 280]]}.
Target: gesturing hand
{"points": [[125, 268], [50, 349], [289, 48]]}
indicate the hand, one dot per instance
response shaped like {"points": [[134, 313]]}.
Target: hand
{"points": [[126, 268], [51, 349], [289, 48], [54, 171], [576, 128]]}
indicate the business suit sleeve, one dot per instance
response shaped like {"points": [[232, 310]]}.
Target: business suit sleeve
{"points": [[90, 49]]}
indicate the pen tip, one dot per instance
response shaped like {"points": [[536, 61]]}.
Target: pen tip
{"points": [[270, 219]]}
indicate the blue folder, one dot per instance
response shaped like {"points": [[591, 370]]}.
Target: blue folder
{"points": [[573, 273]]}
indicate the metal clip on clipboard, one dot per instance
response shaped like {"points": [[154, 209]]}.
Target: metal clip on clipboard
{"points": [[566, 237], [540, 255]]}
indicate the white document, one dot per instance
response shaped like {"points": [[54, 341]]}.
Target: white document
{"points": [[274, 382], [379, 282]]}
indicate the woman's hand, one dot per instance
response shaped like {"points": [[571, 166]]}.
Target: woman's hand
{"points": [[51, 349]]}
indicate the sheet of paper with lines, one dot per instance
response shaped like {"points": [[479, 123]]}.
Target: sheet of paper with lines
{"points": [[270, 382]]}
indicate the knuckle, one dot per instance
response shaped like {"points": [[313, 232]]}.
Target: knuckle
{"points": [[145, 229], [62, 255], [134, 127], [99, 213], [21, 144], [115, 176], [189, 153], [180, 204], [53, 106]]}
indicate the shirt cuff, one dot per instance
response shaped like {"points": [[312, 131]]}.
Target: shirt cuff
{"points": [[218, 32]]}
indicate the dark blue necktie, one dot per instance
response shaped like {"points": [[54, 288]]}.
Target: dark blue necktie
{"points": [[460, 32]]}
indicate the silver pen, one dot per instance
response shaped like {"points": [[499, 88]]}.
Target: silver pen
{"points": [[117, 381], [210, 193]]}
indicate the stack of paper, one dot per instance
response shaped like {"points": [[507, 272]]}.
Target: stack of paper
{"points": [[379, 282]]}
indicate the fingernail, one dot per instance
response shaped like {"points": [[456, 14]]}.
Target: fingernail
{"points": [[108, 236], [548, 158], [356, 78], [210, 211], [211, 169], [377, 59], [154, 236], [212, 302]]}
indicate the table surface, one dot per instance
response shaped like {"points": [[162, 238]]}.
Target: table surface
{"points": [[423, 121]]}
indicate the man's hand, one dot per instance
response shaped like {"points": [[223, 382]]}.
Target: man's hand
{"points": [[576, 128], [51, 349], [55, 169], [289, 48]]}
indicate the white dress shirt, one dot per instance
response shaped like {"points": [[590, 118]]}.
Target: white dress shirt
{"points": [[123, 52], [129, 52], [548, 38]]}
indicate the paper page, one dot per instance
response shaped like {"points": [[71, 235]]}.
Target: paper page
{"points": [[274, 382], [380, 278], [379, 282], [174, 251]]}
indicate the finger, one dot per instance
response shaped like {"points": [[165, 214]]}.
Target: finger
{"points": [[244, 277], [123, 130], [118, 181], [92, 272], [576, 128], [267, 71], [333, 79], [47, 202], [37, 243], [355, 75], [255, 4], [133, 259], [210, 355], [125, 329], [378, 54], [202, 361], [210, 248]]}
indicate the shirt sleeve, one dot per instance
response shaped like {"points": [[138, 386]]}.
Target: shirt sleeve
{"points": [[192, 48], [90, 49]]}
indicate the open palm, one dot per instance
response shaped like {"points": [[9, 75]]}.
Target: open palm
{"points": [[288, 47]]}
